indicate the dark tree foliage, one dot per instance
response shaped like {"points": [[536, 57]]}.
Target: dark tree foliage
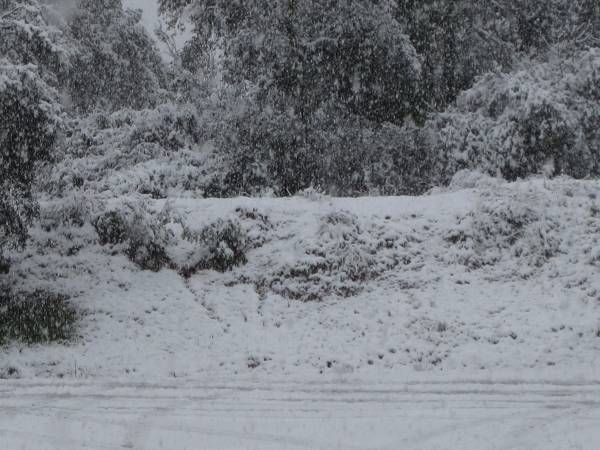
{"points": [[115, 64], [311, 75], [458, 40], [27, 133], [28, 111]]}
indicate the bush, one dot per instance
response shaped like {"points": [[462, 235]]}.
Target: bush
{"points": [[4, 265], [255, 226], [339, 261], [223, 246], [111, 227], [36, 318], [75, 210], [505, 228], [143, 234], [147, 254], [334, 151], [159, 151]]}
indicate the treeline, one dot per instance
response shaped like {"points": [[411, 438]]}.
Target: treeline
{"points": [[351, 97]]}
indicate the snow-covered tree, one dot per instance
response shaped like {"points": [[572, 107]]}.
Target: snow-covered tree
{"points": [[540, 118], [458, 40], [29, 111], [310, 75], [312, 51], [115, 62]]}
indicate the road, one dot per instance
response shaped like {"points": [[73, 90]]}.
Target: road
{"points": [[36, 415]]}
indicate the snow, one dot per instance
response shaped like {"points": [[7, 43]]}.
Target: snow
{"points": [[420, 287], [434, 352], [466, 318], [299, 415]]}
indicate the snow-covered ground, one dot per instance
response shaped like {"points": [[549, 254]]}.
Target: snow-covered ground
{"points": [[467, 318], [285, 415], [499, 278]]}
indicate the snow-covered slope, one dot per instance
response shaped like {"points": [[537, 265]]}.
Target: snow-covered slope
{"points": [[487, 277]]}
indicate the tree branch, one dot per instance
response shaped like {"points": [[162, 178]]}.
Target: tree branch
{"points": [[11, 12]]}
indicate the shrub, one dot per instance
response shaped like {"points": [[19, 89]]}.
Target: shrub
{"points": [[111, 227], [255, 226], [35, 318], [339, 261], [75, 210], [4, 265], [147, 254], [152, 151], [505, 228], [402, 160], [223, 246], [144, 235]]}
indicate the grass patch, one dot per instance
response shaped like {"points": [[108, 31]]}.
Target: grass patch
{"points": [[36, 318]]}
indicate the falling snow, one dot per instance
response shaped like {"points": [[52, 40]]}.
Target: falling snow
{"points": [[299, 224]]}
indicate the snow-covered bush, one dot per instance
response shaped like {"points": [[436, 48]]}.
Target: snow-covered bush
{"points": [[219, 246], [400, 160], [112, 228], [538, 119], [76, 209], [343, 256], [140, 233], [275, 149], [499, 228], [154, 151], [35, 318], [256, 226]]}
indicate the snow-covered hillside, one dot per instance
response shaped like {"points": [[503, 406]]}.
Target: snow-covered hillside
{"points": [[484, 278]]}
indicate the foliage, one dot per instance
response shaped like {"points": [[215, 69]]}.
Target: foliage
{"points": [[27, 134], [36, 318], [458, 40], [116, 64], [111, 227], [142, 235], [310, 76], [500, 228], [222, 246], [539, 119], [343, 256]]}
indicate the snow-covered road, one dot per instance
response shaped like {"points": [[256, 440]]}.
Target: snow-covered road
{"points": [[284, 415]]}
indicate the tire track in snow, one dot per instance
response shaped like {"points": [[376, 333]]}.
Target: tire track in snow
{"points": [[282, 415]]}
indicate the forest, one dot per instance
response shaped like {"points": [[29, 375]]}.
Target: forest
{"points": [[348, 97]]}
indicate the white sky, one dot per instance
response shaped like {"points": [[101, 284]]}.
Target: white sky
{"points": [[150, 8]]}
